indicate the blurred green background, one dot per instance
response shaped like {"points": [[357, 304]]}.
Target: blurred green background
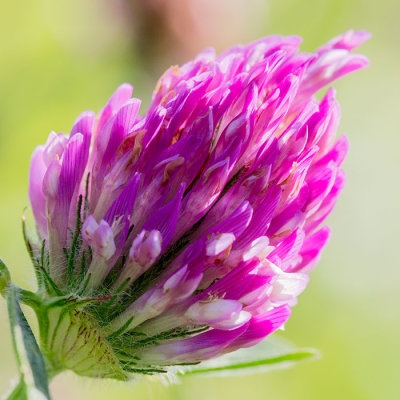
{"points": [[59, 57]]}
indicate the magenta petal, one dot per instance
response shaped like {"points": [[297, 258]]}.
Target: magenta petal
{"points": [[240, 281], [123, 204], [37, 171], [310, 253], [327, 206], [73, 164], [237, 222], [120, 126], [99, 236], [197, 348], [261, 326], [84, 124], [286, 252], [165, 219], [348, 41], [119, 97], [331, 65], [262, 215]]}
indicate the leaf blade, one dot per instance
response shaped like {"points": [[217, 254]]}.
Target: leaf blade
{"points": [[30, 361], [266, 356]]}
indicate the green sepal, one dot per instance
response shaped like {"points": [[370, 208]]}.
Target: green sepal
{"points": [[29, 247], [75, 244], [72, 301], [31, 365], [5, 278], [268, 355]]}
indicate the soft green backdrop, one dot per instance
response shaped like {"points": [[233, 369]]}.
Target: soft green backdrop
{"points": [[58, 57]]}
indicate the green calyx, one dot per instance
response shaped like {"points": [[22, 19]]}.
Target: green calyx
{"points": [[72, 339]]}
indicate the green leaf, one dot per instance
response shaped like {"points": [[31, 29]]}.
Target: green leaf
{"points": [[20, 391], [31, 365], [268, 355]]}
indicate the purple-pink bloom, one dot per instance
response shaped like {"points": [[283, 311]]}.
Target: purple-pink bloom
{"points": [[200, 217]]}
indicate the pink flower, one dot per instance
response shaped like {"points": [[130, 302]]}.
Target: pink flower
{"points": [[201, 217]]}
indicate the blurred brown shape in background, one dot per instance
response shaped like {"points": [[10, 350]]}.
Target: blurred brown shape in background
{"points": [[172, 31]]}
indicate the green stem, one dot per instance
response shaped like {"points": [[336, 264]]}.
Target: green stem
{"points": [[29, 298]]}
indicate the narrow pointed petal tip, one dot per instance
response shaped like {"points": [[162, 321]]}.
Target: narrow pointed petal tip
{"points": [[349, 40], [200, 218]]}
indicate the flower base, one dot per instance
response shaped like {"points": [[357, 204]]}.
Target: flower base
{"points": [[71, 339]]}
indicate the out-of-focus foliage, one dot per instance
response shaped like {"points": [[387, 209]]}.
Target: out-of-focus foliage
{"points": [[59, 57]]}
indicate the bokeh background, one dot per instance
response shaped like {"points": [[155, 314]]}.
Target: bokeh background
{"points": [[59, 57]]}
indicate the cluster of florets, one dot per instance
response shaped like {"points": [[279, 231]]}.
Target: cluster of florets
{"points": [[197, 223]]}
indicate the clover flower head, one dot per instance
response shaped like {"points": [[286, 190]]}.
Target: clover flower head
{"points": [[188, 231]]}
